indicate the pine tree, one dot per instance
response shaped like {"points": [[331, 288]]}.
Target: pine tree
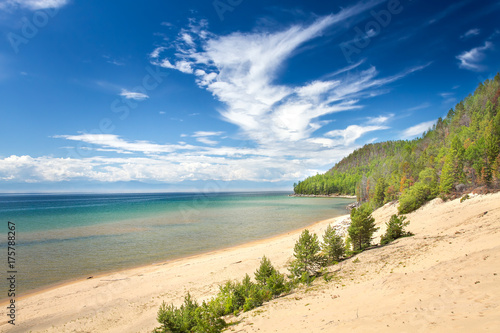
{"points": [[333, 245], [264, 271], [453, 169], [306, 253], [362, 227], [380, 192], [395, 229], [447, 178]]}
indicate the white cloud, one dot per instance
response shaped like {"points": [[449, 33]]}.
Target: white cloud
{"points": [[448, 97], [202, 136], [470, 60], [266, 112], [380, 119], [207, 141], [278, 123], [206, 133], [133, 95], [115, 62], [353, 132], [156, 52], [33, 4], [420, 107], [442, 14], [346, 69], [115, 143], [471, 32], [416, 130], [182, 66]]}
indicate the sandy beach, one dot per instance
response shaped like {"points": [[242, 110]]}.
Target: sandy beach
{"points": [[445, 278]]}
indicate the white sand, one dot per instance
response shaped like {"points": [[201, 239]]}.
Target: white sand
{"points": [[445, 278]]}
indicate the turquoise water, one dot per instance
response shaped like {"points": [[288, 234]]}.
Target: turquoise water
{"points": [[62, 237]]}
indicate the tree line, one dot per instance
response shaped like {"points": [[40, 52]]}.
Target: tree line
{"points": [[460, 152]]}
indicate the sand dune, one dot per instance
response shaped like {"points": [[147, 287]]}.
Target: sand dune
{"points": [[445, 278]]}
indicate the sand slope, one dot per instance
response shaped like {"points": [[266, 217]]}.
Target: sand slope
{"points": [[445, 278]]}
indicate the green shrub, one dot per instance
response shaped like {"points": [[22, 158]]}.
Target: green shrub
{"points": [[362, 227], [306, 252], [306, 278], [348, 246], [414, 197], [333, 245], [276, 284], [190, 317], [395, 229], [207, 322], [232, 298], [253, 302], [264, 271]]}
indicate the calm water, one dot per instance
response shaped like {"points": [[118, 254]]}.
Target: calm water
{"points": [[61, 237]]}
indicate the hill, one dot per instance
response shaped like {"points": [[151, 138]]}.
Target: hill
{"points": [[461, 152], [441, 280]]}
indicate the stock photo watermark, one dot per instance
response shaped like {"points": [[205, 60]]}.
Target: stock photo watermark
{"points": [[223, 6], [11, 272], [380, 19], [30, 27]]}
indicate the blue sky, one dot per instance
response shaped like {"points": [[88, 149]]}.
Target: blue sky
{"points": [[225, 94]]}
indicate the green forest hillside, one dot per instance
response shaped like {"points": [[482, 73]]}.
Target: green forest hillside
{"points": [[461, 152]]}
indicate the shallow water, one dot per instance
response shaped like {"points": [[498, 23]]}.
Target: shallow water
{"points": [[62, 237]]}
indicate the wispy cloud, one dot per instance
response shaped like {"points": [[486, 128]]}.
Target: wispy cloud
{"points": [[266, 112], [207, 141], [416, 130], [133, 95], [115, 143], [470, 33], [33, 4], [420, 107], [206, 133], [279, 124], [448, 11], [380, 119], [345, 69], [113, 61], [204, 137], [470, 60], [448, 98], [353, 132]]}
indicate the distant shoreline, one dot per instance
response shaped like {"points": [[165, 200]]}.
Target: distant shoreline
{"points": [[323, 196]]}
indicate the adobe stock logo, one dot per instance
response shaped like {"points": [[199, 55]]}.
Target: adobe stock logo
{"points": [[222, 6], [30, 28], [362, 39]]}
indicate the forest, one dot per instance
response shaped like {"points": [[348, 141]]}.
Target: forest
{"points": [[459, 153]]}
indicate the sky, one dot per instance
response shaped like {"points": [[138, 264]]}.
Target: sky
{"points": [[224, 95]]}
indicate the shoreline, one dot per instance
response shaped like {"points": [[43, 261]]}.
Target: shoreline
{"points": [[118, 231], [323, 196], [141, 290], [454, 248], [100, 275]]}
